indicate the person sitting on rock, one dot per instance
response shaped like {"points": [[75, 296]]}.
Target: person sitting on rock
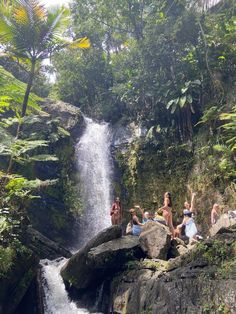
{"points": [[159, 218], [215, 213], [167, 212], [179, 230], [147, 217], [136, 224], [190, 226], [116, 212]]}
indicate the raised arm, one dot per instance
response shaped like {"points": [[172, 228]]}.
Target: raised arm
{"points": [[192, 202]]}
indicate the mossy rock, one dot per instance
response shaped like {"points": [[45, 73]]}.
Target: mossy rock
{"points": [[16, 279]]}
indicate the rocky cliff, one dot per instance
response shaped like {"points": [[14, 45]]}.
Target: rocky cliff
{"points": [[197, 279], [150, 162], [61, 125]]}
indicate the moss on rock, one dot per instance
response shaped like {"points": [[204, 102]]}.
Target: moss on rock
{"points": [[16, 275]]}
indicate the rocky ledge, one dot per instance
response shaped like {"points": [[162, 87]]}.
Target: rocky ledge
{"points": [[196, 279]]}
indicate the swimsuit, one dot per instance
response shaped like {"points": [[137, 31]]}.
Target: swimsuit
{"points": [[136, 229]]}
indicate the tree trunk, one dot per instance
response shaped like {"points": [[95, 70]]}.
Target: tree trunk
{"points": [[28, 89], [23, 112]]}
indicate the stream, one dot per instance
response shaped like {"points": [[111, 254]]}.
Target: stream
{"points": [[95, 170]]}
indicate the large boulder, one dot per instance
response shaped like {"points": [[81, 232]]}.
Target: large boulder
{"points": [[71, 118], [155, 240], [76, 271], [198, 281], [225, 221], [115, 253]]}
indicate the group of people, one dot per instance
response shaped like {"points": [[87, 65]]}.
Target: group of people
{"points": [[187, 229]]}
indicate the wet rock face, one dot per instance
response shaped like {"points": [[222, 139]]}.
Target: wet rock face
{"points": [[44, 247], [155, 240], [60, 124], [125, 134], [200, 279]]}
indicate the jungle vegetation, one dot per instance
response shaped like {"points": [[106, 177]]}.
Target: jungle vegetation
{"points": [[167, 65], [170, 67]]}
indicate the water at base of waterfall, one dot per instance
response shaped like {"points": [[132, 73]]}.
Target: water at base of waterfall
{"points": [[56, 300]]}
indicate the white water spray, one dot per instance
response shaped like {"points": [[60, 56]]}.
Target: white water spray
{"points": [[56, 300]]}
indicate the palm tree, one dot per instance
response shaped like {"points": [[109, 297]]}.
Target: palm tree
{"points": [[31, 33]]}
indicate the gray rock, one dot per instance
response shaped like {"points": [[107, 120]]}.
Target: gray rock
{"points": [[182, 249], [44, 247], [113, 254], [225, 221], [186, 284], [76, 271], [70, 116], [155, 240], [123, 135], [146, 291]]}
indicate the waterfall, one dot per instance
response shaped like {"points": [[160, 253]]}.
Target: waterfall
{"points": [[94, 167], [56, 300]]}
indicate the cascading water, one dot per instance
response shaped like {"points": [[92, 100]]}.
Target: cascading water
{"points": [[56, 300], [94, 165]]}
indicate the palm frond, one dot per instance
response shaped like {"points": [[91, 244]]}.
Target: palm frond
{"points": [[21, 16], [83, 43], [30, 31]]}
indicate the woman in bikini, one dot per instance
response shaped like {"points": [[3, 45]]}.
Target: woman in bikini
{"points": [[166, 211], [116, 212]]}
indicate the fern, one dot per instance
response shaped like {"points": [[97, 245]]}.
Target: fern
{"points": [[12, 94], [229, 127]]}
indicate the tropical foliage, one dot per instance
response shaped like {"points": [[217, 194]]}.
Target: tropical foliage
{"points": [[12, 94], [152, 61], [167, 66], [31, 34]]}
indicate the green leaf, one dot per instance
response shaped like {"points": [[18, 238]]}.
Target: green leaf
{"points": [[170, 103], [189, 98], [44, 157], [197, 82], [184, 90], [173, 108], [182, 101], [192, 109]]}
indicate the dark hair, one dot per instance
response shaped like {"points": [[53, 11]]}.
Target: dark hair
{"points": [[168, 195]]}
